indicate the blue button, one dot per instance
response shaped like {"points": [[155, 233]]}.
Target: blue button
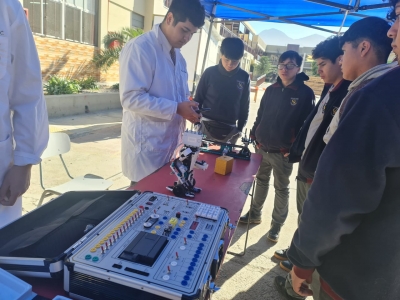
{"points": [[186, 277], [190, 268], [193, 264], [184, 282], [194, 259], [173, 237], [191, 231], [176, 232], [198, 252], [185, 218], [196, 256], [201, 245], [188, 273], [165, 218], [189, 236], [160, 222], [205, 236], [178, 229]]}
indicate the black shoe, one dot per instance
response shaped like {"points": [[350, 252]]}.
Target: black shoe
{"points": [[286, 265], [279, 282], [273, 233], [281, 254], [253, 220]]}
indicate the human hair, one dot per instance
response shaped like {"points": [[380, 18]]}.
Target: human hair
{"points": [[391, 16], [182, 10], [232, 48], [292, 55], [329, 49], [372, 29]]}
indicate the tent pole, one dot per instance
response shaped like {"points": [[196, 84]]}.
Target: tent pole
{"points": [[208, 44], [344, 19]]}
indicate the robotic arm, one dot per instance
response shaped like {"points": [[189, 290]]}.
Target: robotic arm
{"points": [[184, 165]]}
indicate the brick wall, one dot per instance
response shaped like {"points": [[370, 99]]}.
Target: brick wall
{"points": [[72, 60]]}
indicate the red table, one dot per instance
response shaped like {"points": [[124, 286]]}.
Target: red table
{"points": [[229, 191]]}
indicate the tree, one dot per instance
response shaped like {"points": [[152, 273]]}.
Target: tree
{"points": [[264, 66], [314, 68], [113, 43]]}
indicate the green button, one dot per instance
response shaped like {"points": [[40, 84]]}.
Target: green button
{"points": [[88, 257], [95, 258]]}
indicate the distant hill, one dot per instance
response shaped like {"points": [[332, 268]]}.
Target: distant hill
{"points": [[279, 38]]}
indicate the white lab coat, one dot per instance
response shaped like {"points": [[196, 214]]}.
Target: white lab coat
{"points": [[150, 89], [24, 126]]}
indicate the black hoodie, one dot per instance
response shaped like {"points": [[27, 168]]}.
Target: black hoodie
{"points": [[316, 146], [226, 93], [281, 114]]}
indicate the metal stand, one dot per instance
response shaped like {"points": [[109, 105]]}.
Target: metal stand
{"points": [[248, 222]]}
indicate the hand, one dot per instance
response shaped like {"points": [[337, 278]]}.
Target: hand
{"points": [[286, 154], [16, 182], [187, 109], [300, 286]]}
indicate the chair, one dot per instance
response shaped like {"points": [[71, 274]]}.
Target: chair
{"points": [[59, 143]]}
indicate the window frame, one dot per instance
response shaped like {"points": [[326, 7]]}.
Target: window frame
{"points": [[82, 10]]}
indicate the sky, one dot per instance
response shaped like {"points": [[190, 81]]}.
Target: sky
{"points": [[293, 31]]}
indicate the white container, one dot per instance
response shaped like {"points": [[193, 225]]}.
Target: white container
{"points": [[13, 288]]}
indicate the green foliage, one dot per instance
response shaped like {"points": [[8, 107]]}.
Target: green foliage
{"points": [[106, 57], [263, 67], [115, 87], [60, 86], [88, 83], [314, 68]]}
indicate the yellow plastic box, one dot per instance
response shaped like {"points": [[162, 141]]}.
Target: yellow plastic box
{"points": [[223, 165]]}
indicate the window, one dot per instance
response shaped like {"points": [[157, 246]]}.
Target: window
{"points": [[137, 21], [73, 20]]}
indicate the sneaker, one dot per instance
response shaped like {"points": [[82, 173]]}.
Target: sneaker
{"points": [[253, 220], [281, 254], [286, 265], [279, 283], [273, 233]]}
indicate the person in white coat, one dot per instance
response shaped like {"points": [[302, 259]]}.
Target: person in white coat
{"points": [[24, 129], [154, 91]]}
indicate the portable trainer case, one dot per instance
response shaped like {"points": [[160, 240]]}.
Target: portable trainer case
{"points": [[36, 244]]}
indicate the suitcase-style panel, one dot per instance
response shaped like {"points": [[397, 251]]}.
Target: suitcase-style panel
{"points": [[37, 243]]}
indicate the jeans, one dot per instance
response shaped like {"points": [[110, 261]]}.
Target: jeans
{"points": [[301, 196], [282, 170]]}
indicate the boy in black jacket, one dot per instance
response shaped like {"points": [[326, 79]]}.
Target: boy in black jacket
{"points": [[283, 109], [225, 89], [309, 143]]}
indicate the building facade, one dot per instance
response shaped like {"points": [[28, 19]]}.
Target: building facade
{"points": [[69, 32]]}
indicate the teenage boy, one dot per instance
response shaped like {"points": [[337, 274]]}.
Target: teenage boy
{"points": [[283, 109], [225, 89], [351, 211]]}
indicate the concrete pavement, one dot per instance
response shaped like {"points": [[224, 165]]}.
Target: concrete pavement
{"points": [[95, 148]]}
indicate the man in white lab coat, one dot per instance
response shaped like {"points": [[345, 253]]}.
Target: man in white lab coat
{"points": [[154, 91], [24, 129]]}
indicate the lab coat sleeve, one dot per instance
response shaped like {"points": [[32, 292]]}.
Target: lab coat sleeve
{"points": [[137, 71], [27, 103]]}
